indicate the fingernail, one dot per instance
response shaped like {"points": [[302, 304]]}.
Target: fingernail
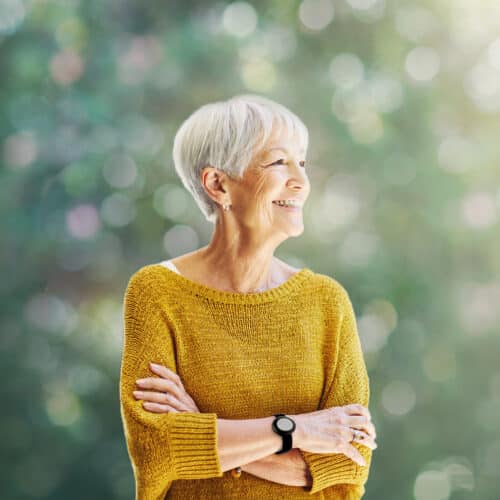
{"points": [[154, 365]]}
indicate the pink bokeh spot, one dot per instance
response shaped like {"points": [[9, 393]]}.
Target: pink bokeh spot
{"points": [[66, 66], [83, 221]]}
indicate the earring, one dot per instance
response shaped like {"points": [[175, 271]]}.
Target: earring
{"points": [[226, 207]]}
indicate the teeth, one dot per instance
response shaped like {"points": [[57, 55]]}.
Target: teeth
{"points": [[287, 203]]}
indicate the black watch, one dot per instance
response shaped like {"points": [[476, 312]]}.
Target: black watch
{"points": [[284, 426]]}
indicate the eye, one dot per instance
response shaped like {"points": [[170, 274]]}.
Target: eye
{"points": [[281, 161]]}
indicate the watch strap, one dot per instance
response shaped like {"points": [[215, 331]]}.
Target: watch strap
{"points": [[287, 444], [286, 437]]}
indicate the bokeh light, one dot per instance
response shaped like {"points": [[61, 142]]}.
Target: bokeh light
{"points": [[422, 63], [240, 19], [398, 398], [316, 14]]}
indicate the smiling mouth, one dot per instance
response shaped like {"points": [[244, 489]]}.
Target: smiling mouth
{"points": [[290, 208], [287, 205]]}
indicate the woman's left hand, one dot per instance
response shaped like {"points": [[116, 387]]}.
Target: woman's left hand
{"points": [[165, 393]]}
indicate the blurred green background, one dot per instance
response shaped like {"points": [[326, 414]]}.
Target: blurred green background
{"points": [[402, 101]]}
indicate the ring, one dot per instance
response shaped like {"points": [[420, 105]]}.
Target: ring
{"points": [[357, 435]]}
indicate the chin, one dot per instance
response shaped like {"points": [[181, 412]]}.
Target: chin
{"points": [[295, 231]]}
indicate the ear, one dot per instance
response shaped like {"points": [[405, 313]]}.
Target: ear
{"points": [[215, 183]]}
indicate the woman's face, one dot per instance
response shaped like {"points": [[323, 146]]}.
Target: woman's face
{"points": [[278, 173]]}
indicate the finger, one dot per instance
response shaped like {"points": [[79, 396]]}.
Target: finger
{"points": [[164, 372], [178, 396], [190, 399], [357, 409], [178, 389], [161, 385], [175, 403], [371, 430], [351, 435], [153, 396], [347, 433], [159, 397], [158, 408], [364, 439], [353, 453], [184, 400], [360, 422]]}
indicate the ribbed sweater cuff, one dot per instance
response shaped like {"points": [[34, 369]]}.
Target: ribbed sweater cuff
{"points": [[328, 469], [193, 445]]}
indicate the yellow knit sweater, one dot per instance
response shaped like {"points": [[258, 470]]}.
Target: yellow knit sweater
{"points": [[291, 349]]}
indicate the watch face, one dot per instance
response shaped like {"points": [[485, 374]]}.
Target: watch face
{"points": [[284, 424]]}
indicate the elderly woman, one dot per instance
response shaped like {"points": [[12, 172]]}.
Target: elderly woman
{"points": [[242, 376]]}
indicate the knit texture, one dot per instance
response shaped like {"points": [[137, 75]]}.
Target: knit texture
{"points": [[291, 349]]}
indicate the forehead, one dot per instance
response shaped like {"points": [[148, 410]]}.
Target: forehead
{"points": [[282, 139], [284, 148]]}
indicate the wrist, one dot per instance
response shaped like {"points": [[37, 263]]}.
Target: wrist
{"points": [[299, 434]]}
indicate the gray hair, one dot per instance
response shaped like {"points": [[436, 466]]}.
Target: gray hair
{"points": [[227, 135]]}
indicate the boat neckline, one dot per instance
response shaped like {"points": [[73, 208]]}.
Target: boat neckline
{"points": [[283, 289]]}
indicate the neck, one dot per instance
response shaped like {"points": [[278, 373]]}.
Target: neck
{"points": [[247, 260]]}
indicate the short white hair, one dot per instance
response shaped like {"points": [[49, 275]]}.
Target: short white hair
{"points": [[227, 135]]}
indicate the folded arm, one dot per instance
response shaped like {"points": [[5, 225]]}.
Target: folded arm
{"points": [[161, 447], [287, 468], [349, 384]]}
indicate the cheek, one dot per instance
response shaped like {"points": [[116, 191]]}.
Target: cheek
{"points": [[262, 191], [272, 181], [263, 201], [266, 185]]}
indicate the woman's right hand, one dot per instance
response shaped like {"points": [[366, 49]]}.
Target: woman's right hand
{"points": [[331, 431]]}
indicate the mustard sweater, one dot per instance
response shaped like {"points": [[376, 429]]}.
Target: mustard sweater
{"points": [[291, 349]]}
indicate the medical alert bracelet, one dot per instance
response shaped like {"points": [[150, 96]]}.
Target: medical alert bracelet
{"points": [[236, 472]]}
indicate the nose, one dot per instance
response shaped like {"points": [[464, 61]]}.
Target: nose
{"points": [[298, 179]]}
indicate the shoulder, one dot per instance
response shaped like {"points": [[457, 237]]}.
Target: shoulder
{"points": [[332, 290], [145, 279], [321, 282]]}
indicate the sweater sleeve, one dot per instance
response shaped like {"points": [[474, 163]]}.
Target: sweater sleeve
{"points": [[350, 384], [162, 446]]}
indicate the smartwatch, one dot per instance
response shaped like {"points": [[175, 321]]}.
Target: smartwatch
{"points": [[284, 426]]}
